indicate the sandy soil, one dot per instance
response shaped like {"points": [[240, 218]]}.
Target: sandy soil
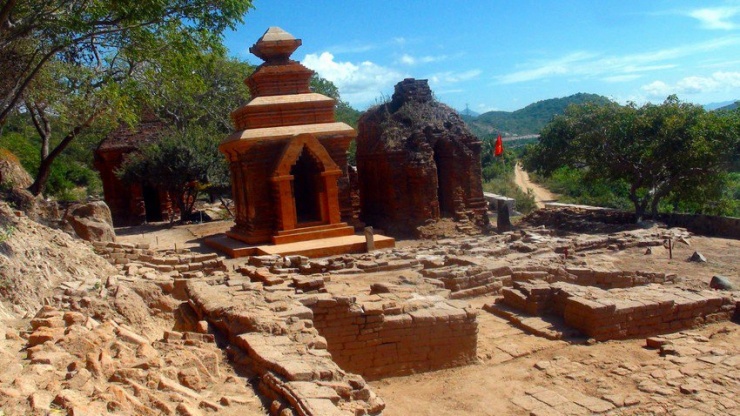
{"points": [[541, 195]]}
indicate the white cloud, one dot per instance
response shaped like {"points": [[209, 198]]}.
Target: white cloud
{"points": [[400, 40], [484, 108], [586, 64], [560, 66], [718, 81], [360, 83], [353, 47], [407, 59], [718, 18], [442, 78]]}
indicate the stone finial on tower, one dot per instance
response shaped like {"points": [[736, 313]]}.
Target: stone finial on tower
{"points": [[275, 45]]}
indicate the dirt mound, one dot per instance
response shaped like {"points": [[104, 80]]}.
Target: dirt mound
{"points": [[35, 259], [12, 172]]}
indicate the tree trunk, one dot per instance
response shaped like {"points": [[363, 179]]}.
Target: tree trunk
{"points": [[39, 185], [639, 206]]}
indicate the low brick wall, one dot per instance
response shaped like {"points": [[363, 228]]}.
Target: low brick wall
{"points": [[383, 338], [465, 281], [622, 313], [584, 276], [182, 261], [275, 338], [705, 224]]}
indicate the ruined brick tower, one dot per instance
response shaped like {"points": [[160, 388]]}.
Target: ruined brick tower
{"points": [[288, 155], [417, 161]]}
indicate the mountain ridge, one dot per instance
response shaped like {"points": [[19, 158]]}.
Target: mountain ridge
{"points": [[528, 120]]}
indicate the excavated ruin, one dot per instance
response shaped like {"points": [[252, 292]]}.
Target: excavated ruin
{"points": [[417, 161]]}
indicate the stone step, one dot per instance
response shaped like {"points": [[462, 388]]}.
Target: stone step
{"points": [[313, 233], [549, 327]]}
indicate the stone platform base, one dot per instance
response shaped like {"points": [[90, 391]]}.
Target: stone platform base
{"points": [[313, 248]]}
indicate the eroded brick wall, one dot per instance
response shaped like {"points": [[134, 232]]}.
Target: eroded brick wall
{"points": [[382, 339], [622, 313]]}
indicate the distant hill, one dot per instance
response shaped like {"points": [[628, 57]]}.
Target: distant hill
{"points": [[731, 106], [725, 105], [467, 112], [528, 120]]}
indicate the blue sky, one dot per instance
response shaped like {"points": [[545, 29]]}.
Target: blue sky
{"points": [[504, 55]]}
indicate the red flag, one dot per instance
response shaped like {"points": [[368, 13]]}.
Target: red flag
{"points": [[499, 149]]}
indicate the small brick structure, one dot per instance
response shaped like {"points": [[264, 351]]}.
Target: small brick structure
{"points": [[136, 203], [621, 313], [385, 338], [288, 155], [586, 276], [417, 161]]}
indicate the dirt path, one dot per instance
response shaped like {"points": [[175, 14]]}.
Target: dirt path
{"points": [[541, 195]]}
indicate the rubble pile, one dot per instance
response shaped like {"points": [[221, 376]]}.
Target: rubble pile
{"points": [[84, 366], [274, 334]]}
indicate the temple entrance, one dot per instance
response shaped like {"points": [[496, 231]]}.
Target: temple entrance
{"points": [[445, 195], [152, 204], [306, 188]]}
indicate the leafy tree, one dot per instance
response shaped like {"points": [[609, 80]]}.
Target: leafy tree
{"points": [[64, 102], [182, 164], [71, 63], [673, 150], [194, 93], [85, 32], [200, 87], [343, 111]]}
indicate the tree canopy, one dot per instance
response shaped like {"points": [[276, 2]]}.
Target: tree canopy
{"points": [[673, 150], [110, 36], [73, 65]]}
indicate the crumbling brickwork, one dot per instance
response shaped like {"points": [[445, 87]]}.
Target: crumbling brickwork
{"points": [[417, 161], [621, 313], [386, 338]]}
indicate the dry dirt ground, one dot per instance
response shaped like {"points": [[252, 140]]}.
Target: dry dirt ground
{"points": [[516, 373], [519, 373]]}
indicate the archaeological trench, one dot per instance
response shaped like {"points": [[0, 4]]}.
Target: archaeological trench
{"points": [[316, 324]]}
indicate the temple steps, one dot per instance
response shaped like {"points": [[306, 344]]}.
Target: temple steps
{"points": [[313, 233]]}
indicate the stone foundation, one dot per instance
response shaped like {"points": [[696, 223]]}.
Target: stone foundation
{"points": [[468, 281], [138, 259], [604, 279], [621, 313], [274, 336], [392, 338]]}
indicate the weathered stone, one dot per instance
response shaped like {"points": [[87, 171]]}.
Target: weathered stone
{"points": [[698, 257], [417, 161], [720, 283]]}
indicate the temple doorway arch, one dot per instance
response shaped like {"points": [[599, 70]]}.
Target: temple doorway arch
{"points": [[305, 181], [307, 188], [444, 161]]}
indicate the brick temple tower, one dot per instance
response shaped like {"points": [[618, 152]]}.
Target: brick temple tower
{"points": [[288, 155]]}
